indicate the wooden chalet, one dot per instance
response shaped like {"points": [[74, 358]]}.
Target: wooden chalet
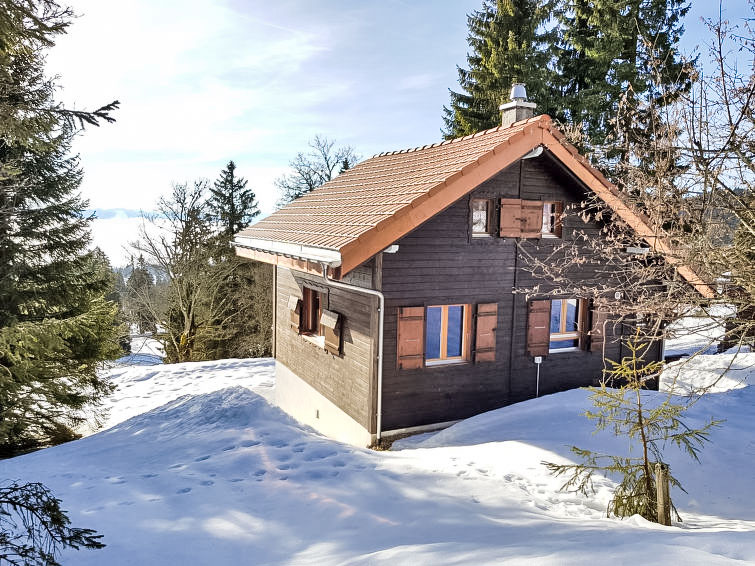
{"points": [[394, 308]]}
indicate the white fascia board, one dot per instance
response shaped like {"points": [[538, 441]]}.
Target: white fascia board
{"points": [[299, 251]]}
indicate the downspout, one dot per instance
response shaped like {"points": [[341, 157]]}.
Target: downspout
{"points": [[381, 317]]}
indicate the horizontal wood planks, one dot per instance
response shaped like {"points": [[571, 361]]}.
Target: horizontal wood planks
{"points": [[345, 380], [441, 263]]}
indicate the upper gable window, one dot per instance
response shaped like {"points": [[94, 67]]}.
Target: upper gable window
{"points": [[552, 212], [482, 213]]}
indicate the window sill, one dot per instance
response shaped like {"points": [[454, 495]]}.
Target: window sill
{"points": [[482, 235], [572, 349], [318, 341], [434, 363], [549, 236]]}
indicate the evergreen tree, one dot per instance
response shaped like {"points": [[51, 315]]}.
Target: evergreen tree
{"points": [[139, 294], [231, 205], [55, 324], [621, 406], [510, 43], [241, 324], [615, 51]]}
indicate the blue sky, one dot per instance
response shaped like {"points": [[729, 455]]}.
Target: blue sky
{"points": [[205, 81]]}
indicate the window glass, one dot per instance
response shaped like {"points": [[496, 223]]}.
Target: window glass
{"points": [[549, 218], [555, 316], [432, 333], [570, 324], [564, 324], [480, 215], [455, 331]]}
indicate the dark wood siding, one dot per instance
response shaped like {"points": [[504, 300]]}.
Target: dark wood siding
{"points": [[345, 380], [441, 263]]}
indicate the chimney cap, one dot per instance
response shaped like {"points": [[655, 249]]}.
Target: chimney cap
{"points": [[518, 92]]}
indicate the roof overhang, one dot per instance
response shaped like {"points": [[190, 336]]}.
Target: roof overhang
{"points": [[332, 258]]}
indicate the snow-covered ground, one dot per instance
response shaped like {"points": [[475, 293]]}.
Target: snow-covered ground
{"points": [[198, 468]]}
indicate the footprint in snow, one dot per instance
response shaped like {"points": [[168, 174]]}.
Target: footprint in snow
{"points": [[228, 448], [115, 480], [177, 467], [202, 458], [279, 443], [236, 480], [260, 473], [183, 490], [319, 455], [207, 483], [250, 443], [148, 476], [125, 503]]}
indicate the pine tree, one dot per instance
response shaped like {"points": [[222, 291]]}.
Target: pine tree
{"points": [[55, 324], [621, 405], [510, 43], [231, 205]]}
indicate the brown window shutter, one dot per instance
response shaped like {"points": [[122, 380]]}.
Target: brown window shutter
{"points": [[487, 321], [583, 320], [599, 327], [538, 327], [411, 334], [532, 218], [559, 220], [294, 306], [331, 323], [511, 218]]}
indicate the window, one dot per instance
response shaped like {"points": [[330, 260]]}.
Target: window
{"points": [[565, 324], [481, 217], [446, 330], [551, 219], [310, 312]]}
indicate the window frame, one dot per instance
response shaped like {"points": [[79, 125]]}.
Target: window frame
{"points": [[489, 225], [310, 326], [562, 335], [554, 217], [465, 336]]}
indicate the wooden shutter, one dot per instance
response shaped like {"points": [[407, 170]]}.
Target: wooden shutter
{"points": [[538, 327], [532, 219], [411, 334], [487, 321], [599, 327], [559, 213], [583, 323], [294, 307], [511, 218], [331, 325]]}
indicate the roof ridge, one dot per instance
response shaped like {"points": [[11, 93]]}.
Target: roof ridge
{"points": [[544, 118]]}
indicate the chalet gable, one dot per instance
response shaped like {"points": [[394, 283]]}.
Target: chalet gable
{"points": [[369, 207]]}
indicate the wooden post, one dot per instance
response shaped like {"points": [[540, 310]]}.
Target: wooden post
{"points": [[661, 491]]}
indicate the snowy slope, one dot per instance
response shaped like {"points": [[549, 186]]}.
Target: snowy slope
{"points": [[199, 474]]}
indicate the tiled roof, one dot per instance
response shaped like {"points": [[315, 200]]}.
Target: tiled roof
{"points": [[367, 208], [356, 201]]}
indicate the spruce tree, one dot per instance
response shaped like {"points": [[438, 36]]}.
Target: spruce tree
{"points": [[232, 206], [510, 42], [241, 324], [139, 295], [615, 51], [623, 406], [56, 326]]}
